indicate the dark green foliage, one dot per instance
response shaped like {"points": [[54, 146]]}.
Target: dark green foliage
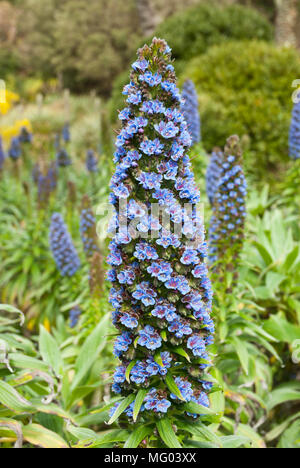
{"points": [[245, 89], [192, 32], [86, 44]]}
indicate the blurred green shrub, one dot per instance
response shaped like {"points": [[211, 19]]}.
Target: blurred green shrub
{"points": [[245, 88], [192, 32]]}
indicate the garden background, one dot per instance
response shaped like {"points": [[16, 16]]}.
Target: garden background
{"points": [[64, 65]]}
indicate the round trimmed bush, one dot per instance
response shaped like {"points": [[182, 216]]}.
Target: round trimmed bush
{"points": [[245, 88], [193, 31]]}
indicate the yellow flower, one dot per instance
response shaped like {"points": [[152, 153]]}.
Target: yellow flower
{"points": [[10, 132], [11, 99]]}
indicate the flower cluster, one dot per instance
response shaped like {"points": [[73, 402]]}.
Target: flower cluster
{"points": [[46, 183], [15, 151], [213, 174], [91, 162], [74, 316], [25, 136], [190, 110], [294, 139], [88, 228], [62, 247], [161, 293], [66, 136], [226, 233], [62, 158]]}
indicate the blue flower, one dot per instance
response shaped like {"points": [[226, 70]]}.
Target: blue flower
{"points": [[185, 388], [156, 402], [197, 345], [166, 129], [2, 155], [74, 316], [122, 344], [125, 114], [141, 65], [25, 136], [144, 251], [161, 294], [151, 146], [160, 270], [66, 133], [150, 180], [62, 158], [135, 98], [149, 338], [62, 247], [129, 321], [190, 110], [14, 151], [153, 107], [213, 173], [91, 161], [87, 229], [152, 79], [226, 230], [145, 294], [294, 137]]}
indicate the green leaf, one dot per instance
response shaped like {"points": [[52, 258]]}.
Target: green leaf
{"points": [[202, 433], [246, 431], [234, 441], [21, 361], [50, 351], [129, 369], [90, 351], [281, 329], [12, 310], [267, 257], [242, 352], [181, 352], [42, 437], [158, 359], [194, 408], [167, 433], [108, 437], [121, 408], [173, 387], [139, 434], [81, 433], [287, 392], [16, 428], [138, 403], [10, 398]]}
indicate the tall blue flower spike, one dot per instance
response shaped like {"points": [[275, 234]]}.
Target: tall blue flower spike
{"points": [[91, 161], [25, 136], [74, 316], [161, 293], [46, 183], [190, 110], [2, 155], [66, 136], [88, 228], [15, 151], [226, 232], [62, 247], [213, 173], [294, 139], [62, 158]]}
